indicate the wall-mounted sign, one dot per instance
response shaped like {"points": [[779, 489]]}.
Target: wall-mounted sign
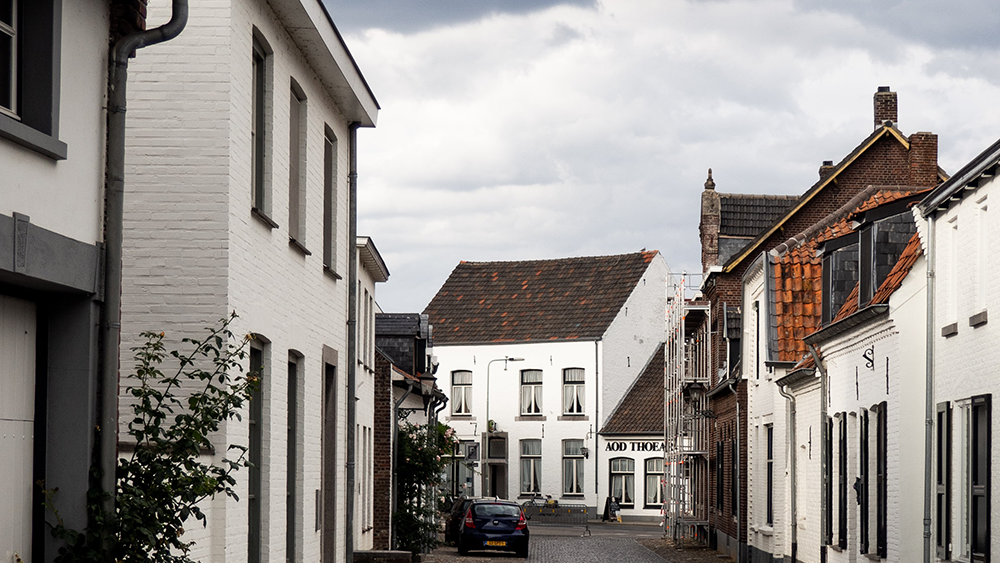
{"points": [[633, 446]]}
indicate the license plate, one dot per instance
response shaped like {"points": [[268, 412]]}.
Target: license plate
{"points": [[496, 543]]}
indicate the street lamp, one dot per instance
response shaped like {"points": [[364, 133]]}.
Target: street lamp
{"points": [[489, 430]]}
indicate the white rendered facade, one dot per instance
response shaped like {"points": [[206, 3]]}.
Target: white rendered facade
{"points": [[195, 251], [608, 367]]}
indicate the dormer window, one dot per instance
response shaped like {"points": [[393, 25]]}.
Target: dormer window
{"points": [[866, 266]]}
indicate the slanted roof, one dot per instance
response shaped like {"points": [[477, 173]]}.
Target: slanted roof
{"points": [[372, 260], [753, 248], [534, 300], [798, 271], [747, 215], [641, 409]]}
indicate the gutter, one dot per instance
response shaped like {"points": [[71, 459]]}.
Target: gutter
{"points": [[352, 338], [113, 221]]}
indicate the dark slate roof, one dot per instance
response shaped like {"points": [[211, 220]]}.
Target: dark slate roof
{"points": [[746, 215], [534, 300], [641, 410], [398, 324]]}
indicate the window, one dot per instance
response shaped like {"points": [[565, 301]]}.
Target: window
{"points": [[461, 392], [531, 391], [29, 74], [573, 391], [979, 478], [842, 483], [861, 485], [881, 484], [297, 167], [828, 486], [769, 469], [258, 128], [734, 490], [329, 200], [719, 474], [8, 56], [254, 451], [531, 466], [573, 467], [623, 480], [942, 492], [983, 252], [291, 454], [654, 481]]}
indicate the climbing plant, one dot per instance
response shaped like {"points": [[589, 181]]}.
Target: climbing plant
{"points": [[419, 468]]}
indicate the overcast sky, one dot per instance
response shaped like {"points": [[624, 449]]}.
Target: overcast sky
{"points": [[529, 129]]}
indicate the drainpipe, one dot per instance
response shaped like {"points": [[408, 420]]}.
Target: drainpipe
{"points": [[113, 213], [824, 461], [790, 447], [352, 337], [929, 390]]}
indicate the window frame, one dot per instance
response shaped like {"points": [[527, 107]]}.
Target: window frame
{"points": [[881, 480], [657, 486], [574, 486], [330, 193], [979, 476], [720, 471], [769, 469], [255, 449], [531, 405], [578, 387], [465, 388], [11, 31], [533, 463], [298, 128], [623, 475], [942, 481]]}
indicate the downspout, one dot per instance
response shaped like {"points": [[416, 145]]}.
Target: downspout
{"points": [[597, 419], [824, 437], [929, 389], [113, 221], [739, 509], [352, 336], [790, 447]]}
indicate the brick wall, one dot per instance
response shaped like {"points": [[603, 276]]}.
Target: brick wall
{"points": [[385, 422]]}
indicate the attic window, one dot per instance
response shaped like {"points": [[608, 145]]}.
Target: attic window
{"points": [[866, 267]]}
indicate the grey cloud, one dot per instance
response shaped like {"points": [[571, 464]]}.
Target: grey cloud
{"points": [[407, 16], [931, 22]]}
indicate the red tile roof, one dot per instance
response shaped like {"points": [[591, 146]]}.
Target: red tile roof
{"points": [[798, 273], [641, 410], [534, 300]]}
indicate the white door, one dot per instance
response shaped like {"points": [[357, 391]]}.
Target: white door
{"points": [[17, 414]]}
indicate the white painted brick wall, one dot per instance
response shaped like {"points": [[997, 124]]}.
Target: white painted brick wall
{"points": [[966, 364], [194, 252]]}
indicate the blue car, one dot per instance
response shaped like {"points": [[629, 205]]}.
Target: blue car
{"points": [[493, 525]]}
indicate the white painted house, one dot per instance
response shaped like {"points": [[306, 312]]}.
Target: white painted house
{"points": [[238, 199], [545, 349], [854, 283], [963, 236], [53, 98]]}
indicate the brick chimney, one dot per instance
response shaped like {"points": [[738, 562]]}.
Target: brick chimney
{"points": [[885, 107], [923, 159], [711, 217], [825, 169]]}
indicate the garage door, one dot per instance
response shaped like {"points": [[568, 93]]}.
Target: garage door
{"points": [[17, 413]]}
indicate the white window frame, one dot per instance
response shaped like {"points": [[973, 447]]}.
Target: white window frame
{"points": [[574, 391], [573, 476], [531, 466], [10, 30], [531, 391], [461, 393], [622, 470]]}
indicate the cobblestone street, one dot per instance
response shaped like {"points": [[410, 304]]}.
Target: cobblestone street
{"points": [[609, 544]]}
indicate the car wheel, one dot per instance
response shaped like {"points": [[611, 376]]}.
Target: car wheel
{"points": [[462, 548]]}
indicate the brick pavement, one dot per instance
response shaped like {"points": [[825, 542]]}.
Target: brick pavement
{"points": [[562, 549]]}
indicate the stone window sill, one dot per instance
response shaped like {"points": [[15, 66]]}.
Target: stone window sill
{"points": [[530, 418], [31, 138], [949, 330], [299, 247], [263, 218], [979, 319], [573, 417]]}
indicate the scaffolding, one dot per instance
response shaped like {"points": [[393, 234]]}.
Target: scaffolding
{"points": [[686, 416]]}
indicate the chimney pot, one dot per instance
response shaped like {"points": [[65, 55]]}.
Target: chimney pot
{"points": [[827, 163], [883, 88]]}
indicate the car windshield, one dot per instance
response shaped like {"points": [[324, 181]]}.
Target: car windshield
{"points": [[492, 510]]}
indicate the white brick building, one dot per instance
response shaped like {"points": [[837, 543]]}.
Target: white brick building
{"points": [[962, 236], [239, 140], [583, 329]]}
